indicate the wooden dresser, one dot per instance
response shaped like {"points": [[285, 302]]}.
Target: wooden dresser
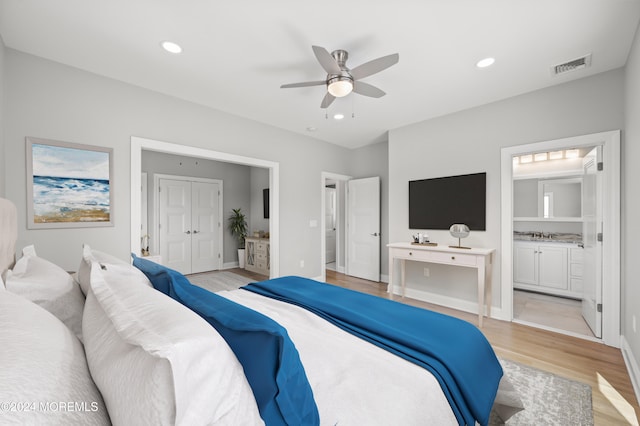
{"points": [[257, 256]]}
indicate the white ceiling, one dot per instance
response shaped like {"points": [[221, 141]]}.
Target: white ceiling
{"points": [[238, 53]]}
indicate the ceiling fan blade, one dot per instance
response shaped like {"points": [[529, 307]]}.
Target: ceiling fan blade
{"points": [[305, 84], [328, 99], [367, 90], [374, 66], [326, 60]]}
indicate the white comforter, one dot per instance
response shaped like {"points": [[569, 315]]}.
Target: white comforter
{"points": [[353, 381]]}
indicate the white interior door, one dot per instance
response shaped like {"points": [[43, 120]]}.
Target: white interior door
{"points": [[591, 227], [175, 224], [363, 228], [205, 227], [190, 231]]}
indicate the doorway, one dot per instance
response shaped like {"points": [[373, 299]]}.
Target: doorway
{"points": [[610, 226], [357, 226], [139, 144], [333, 240]]}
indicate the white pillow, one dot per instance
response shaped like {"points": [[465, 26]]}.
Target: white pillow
{"points": [[43, 368], [156, 360], [124, 270], [49, 286]]}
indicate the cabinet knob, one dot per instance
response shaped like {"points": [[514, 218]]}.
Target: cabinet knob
{"points": [[453, 258], [410, 253]]}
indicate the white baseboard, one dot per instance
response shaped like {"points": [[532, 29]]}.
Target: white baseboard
{"points": [[230, 265], [632, 366], [446, 301], [384, 279]]}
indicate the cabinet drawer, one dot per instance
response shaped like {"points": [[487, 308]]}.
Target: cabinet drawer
{"points": [[576, 285], [454, 258], [261, 246], [577, 254], [576, 270], [261, 256], [419, 255]]}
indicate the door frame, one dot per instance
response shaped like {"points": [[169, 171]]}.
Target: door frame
{"points": [[139, 144], [324, 176], [611, 224], [156, 208]]}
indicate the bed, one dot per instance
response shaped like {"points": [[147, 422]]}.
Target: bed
{"points": [[123, 343]]}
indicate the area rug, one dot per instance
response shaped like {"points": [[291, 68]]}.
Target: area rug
{"points": [[219, 280], [548, 399]]}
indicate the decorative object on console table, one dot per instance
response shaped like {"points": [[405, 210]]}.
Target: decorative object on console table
{"points": [[258, 256], [459, 230], [238, 227]]}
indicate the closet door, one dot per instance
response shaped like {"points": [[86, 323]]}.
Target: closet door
{"points": [[205, 225], [175, 224]]}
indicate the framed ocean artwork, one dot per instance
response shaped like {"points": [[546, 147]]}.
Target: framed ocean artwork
{"points": [[69, 185]]}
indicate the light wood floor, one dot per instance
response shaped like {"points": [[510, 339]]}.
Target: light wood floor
{"points": [[600, 366]]}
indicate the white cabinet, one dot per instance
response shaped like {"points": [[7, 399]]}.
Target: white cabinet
{"points": [[546, 267], [257, 255], [575, 270]]}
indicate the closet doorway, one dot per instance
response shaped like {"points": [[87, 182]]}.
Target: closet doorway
{"points": [[189, 222]]}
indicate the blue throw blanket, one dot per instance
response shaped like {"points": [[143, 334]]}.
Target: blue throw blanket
{"points": [[269, 358], [456, 352]]}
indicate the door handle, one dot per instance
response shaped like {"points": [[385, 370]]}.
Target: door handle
{"points": [[375, 234], [188, 232], [195, 232]]}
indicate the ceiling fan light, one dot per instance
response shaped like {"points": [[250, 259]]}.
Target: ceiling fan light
{"points": [[340, 87]]}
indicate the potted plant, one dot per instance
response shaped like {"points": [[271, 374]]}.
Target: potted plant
{"points": [[238, 228]]}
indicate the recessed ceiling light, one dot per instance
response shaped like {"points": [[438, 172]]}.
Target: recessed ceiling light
{"points": [[338, 116], [171, 47], [486, 62]]}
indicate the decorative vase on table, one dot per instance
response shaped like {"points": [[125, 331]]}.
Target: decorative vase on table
{"points": [[459, 230]]}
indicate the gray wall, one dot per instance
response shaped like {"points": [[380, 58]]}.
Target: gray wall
{"points": [[54, 101], [470, 141], [236, 187], [631, 201]]}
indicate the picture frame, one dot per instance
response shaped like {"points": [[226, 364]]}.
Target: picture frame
{"points": [[69, 185]]}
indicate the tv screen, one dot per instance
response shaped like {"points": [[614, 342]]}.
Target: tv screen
{"points": [[440, 202], [265, 202]]}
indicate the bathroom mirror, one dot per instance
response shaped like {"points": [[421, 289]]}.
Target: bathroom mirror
{"points": [[548, 198], [560, 198]]}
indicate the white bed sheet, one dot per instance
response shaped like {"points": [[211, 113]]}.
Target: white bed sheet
{"points": [[353, 381]]}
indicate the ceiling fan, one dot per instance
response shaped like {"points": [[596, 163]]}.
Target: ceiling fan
{"points": [[341, 80]]}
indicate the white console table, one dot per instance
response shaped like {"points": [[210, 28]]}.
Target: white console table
{"points": [[479, 258]]}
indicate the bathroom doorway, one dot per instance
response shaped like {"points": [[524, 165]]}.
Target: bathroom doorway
{"points": [[547, 235]]}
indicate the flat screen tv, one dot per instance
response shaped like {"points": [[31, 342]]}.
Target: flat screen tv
{"points": [[438, 203]]}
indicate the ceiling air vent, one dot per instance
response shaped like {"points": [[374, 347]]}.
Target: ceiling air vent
{"points": [[572, 65]]}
